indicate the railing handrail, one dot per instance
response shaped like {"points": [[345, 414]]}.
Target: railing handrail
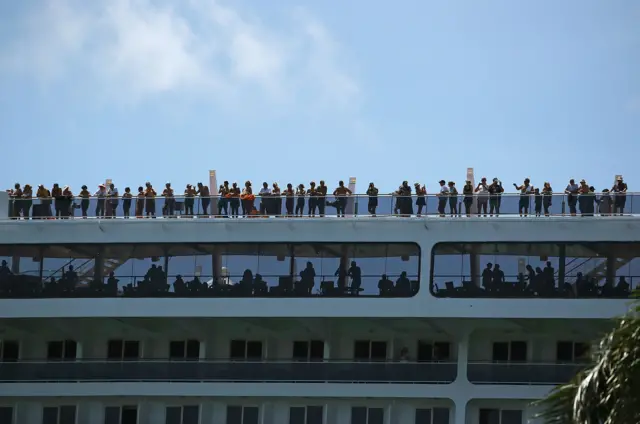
{"points": [[526, 363], [226, 361]]}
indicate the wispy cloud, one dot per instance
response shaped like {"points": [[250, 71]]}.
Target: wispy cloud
{"points": [[132, 50]]}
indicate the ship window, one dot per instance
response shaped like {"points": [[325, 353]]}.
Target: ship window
{"points": [[119, 350], [510, 351], [367, 350], [497, 416], [308, 350], [6, 414], [10, 350], [306, 415], [121, 415], [432, 416], [438, 351], [243, 414], [189, 349], [182, 414], [59, 414], [572, 351], [364, 415], [243, 349], [60, 350]]}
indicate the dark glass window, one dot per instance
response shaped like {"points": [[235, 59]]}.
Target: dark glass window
{"points": [[6, 414], [500, 351], [489, 416], [10, 350]]}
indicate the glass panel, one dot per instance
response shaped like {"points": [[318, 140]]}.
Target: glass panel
{"points": [[10, 351], [375, 416], [519, 351], [190, 414], [315, 414], [50, 415], [489, 416], [114, 349], [301, 351], [442, 351], [254, 350], [361, 350], [70, 350], [511, 417], [173, 415], [68, 414], [234, 414], [317, 350], [297, 415], [425, 351], [131, 350], [237, 349], [440, 415], [423, 416], [176, 350], [358, 415], [379, 351], [246, 269], [55, 350], [6, 414], [250, 415], [564, 351], [193, 349], [112, 415], [129, 415], [500, 351]]}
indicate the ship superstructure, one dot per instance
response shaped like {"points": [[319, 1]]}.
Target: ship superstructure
{"points": [[385, 320]]}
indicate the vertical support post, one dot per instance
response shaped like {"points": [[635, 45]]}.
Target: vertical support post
{"points": [[98, 266], [213, 184], [611, 269], [166, 266], [463, 356], [292, 263], [216, 266], [41, 264], [352, 201], [344, 267], [471, 177], [474, 267], [562, 263]]}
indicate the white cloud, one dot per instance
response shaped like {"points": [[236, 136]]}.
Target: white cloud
{"points": [[136, 49]]}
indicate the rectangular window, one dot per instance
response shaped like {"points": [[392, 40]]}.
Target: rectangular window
{"points": [[59, 414], [245, 350], [62, 350], [243, 414], [489, 416], [367, 350], [306, 415], [189, 414], [513, 416], [189, 349], [121, 415], [308, 350], [364, 415], [437, 351], [498, 416], [432, 416], [119, 350], [510, 351], [9, 350], [6, 414]]}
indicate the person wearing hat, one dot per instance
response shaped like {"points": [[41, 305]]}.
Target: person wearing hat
{"points": [[189, 199], [85, 197], [45, 200], [443, 197], [101, 194], [620, 191]]}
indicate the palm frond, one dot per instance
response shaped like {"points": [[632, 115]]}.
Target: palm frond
{"points": [[607, 391]]}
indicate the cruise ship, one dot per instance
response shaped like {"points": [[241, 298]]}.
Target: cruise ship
{"points": [[362, 319]]}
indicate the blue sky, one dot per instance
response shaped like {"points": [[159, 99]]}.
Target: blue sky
{"points": [[300, 90]]}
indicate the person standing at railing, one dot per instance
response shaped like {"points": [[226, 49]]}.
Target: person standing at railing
{"points": [[313, 199], [113, 201], [189, 200], [443, 196], [26, 201], [45, 201], [140, 203], [56, 194], [67, 205], [101, 194], [421, 201], [223, 200], [482, 193], [604, 203], [572, 192], [525, 196], [322, 198], [341, 193], [126, 202], [467, 192], [289, 195], [84, 200], [169, 208], [276, 200], [453, 198], [300, 193], [547, 196], [495, 196], [247, 199], [620, 191], [234, 200], [150, 200], [372, 204]]}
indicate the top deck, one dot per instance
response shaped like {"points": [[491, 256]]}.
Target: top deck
{"points": [[360, 205]]}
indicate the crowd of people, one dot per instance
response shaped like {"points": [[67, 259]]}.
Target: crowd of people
{"points": [[233, 201]]}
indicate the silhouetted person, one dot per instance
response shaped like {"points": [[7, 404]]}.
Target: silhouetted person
{"points": [[487, 277], [372, 203], [300, 193], [356, 277]]}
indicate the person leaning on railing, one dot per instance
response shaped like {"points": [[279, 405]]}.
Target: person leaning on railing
{"points": [[372, 204], [84, 200]]}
